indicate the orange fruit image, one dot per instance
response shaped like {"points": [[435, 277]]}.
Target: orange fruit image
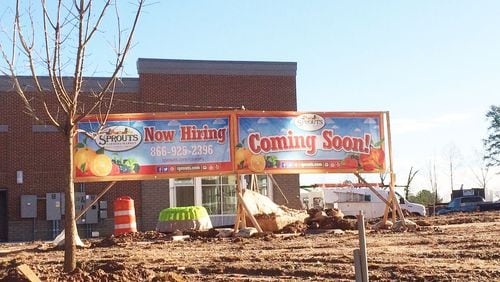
{"points": [[83, 157], [257, 163], [350, 162], [372, 161], [242, 157], [101, 165]]}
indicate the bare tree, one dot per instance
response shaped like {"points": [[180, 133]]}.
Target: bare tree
{"points": [[433, 183], [481, 170], [66, 30], [382, 177], [411, 175], [452, 153]]}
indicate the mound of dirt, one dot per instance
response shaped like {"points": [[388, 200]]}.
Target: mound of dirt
{"points": [[131, 237]]}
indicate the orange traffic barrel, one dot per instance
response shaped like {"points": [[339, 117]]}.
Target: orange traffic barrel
{"points": [[124, 215]]}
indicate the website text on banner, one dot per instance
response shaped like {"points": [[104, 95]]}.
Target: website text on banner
{"points": [[152, 146], [287, 142]]}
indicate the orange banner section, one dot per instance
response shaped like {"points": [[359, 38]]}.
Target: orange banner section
{"points": [[172, 145]]}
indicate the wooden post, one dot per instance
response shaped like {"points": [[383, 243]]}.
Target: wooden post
{"points": [[240, 214], [395, 206], [249, 214], [362, 247], [387, 206], [358, 272], [360, 178], [252, 182], [238, 218]]}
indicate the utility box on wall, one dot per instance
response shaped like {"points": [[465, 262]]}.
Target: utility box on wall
{"points": [[79, 206], [54, 206], [103, 209], [28, 206], [92, 214]]}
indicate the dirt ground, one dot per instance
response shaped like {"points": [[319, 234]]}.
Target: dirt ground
{"points": [[457, 247]]}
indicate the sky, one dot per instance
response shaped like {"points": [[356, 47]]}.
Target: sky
{"points": [[433, 65]]}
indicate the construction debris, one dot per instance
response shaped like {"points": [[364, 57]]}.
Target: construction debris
{"points": [[407, 225], [269, 215], [246, 232], [329, 219], [382, 226]]}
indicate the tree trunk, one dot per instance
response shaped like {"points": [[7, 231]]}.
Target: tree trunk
{"points": [[69, 218]]}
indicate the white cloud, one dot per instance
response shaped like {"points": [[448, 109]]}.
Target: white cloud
{"points": [[262, 121], [329, 121], [370, 121], [219, 121], [174, 123]]}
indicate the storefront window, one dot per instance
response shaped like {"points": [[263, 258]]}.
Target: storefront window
{"points": [[218, 194], [184, 192], [262, 186], [260, 183]]}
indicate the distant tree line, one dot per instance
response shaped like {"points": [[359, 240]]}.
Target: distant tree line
{"points": [[425, 197], [492, 142]]}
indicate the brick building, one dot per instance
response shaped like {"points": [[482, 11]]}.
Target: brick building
{"points": [[31, 175]]}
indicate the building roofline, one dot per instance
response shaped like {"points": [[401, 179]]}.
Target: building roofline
{"points": [[169, 66], [123, 85]]}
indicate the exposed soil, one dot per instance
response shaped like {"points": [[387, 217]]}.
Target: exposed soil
{"points": [[456, 247]]}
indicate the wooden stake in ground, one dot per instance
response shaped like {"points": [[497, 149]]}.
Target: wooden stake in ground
{"points": [[28, 273], [362, 247], [395, 205]]}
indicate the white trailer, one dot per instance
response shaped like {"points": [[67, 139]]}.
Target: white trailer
{"points": [[351, 200]]}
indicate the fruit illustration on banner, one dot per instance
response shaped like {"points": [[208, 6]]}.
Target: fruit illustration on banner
{"points": [[242, 156], [350, 162], [257, 163], [372, 161], [101, 165], [82, 158], [126, 165], [115, 170], [96, 163]]}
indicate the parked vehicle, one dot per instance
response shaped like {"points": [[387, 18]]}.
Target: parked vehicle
{"points": [[351, 200], [469, 204]]}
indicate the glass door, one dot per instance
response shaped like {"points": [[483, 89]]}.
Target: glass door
{"points": [[184, 192]]}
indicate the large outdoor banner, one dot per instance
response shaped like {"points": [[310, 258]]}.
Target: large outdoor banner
{"points": [[154, 146], [291, 142], [173, 145]]}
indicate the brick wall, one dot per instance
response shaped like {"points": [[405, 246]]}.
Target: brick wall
{"points": [[155, 197], [289, 185], [40, 155], [210, 92]]}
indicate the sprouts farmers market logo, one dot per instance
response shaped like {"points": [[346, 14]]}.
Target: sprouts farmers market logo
{"points": [[309, 122], [119, 138]]}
